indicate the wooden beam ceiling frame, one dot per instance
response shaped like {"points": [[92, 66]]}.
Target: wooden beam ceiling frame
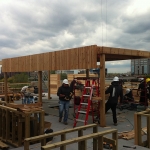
{"points": [[112, 54]]}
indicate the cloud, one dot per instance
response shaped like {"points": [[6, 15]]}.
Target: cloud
{"points": [[30, 27]]}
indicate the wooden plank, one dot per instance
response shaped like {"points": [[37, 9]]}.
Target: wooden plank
{"points": [[19, 130], [135, 129], [27, 125], [40, 86], [57, 55], [28, 63], [148, 131], [115, 137], [33, 62], [40, 62], [8, 114], [102, 90], [76, 58], [46, 61], [127, 52], [78, 139], [21, 64], [53, 61], [100, 142], [3, 145], [63, 138], [114, 50], [94, 56]]}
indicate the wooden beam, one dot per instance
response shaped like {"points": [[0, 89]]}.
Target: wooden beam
{"points": [[49, 83], [0, 62], [40, 86], [5, 86], [102, 90]]}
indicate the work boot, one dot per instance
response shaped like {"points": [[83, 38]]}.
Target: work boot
{"points": [[115, 124], [60, 119], [66, 123]]}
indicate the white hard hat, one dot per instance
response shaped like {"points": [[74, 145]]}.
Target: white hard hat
{"points": [[127, 91], [115, 79], [65, 81]]}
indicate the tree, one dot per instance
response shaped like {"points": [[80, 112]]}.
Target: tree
{"points": [[20, 78]]}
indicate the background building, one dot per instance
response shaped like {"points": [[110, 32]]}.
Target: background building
{"points": [[140, 66]]}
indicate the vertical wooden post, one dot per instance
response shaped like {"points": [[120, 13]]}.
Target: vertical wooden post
{"points": [[41, 123], [40, 85], [95, 130], [148, 131], [27, 125], [102, 91], [100, 143], [49, 83], [135, 129], [5, 86], [80, 133], [87, 73], [63, 138], [7, 125], [115, 137], [19, 130]]}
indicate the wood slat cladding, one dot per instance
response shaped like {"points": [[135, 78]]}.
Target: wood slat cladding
{"points": [[76, 58]]}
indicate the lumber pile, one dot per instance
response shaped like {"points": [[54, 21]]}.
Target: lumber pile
{"points": [[128, 135], [3, 146], [26, 108]]}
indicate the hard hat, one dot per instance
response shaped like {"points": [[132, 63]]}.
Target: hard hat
{"points": [[147, 80], [115, 79], [128, 91], [65, 81]]}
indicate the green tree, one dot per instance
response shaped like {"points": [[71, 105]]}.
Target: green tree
{"points": [[20, 78]]}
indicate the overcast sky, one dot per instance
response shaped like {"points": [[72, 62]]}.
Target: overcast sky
{"points": [[37, 26]]}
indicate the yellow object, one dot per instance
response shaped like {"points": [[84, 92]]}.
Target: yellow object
{"points": [[147, 80]]}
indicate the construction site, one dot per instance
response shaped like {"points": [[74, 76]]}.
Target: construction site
{"points": [[23, 126]]}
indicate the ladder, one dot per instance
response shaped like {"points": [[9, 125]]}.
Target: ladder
{"points": [[86, 105]]}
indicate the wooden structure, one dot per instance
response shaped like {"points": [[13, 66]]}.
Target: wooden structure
{"points": [[75, 58], [18, 123], [98, 138], [138, 126]]}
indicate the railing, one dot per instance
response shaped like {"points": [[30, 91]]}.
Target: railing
{"points": [[138, 128], [81, 139]]}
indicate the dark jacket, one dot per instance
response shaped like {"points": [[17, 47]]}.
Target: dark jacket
{"points": [[113, 98], [65, 91]]}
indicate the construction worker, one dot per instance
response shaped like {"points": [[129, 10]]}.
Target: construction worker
{"points": [[65, 94], [148, 87], [115, 90], [143, 92]]}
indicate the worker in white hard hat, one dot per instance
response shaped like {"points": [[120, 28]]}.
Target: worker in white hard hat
{"points": [[65, 94], [115, 91]]}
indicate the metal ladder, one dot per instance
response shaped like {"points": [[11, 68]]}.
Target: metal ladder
{"points": [[85, 106]]}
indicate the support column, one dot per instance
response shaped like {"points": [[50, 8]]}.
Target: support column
{"points": [[40, 86], [102, 91], [49, 89], [5, 86], [87, 73]]}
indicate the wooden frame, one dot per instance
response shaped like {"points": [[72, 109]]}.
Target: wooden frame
{"points": [[81, 139], [76, 58], [138, 127]]}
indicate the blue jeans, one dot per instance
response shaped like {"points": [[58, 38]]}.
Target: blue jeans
{"points": [[64, 106], [26, 100]]}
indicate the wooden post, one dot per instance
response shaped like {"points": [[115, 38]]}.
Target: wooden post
{"points": [[102, 91], [100, 143], [7, 124], [40, 85], [63, 138], [80, 133], [27, 125], [148, 131], [95, 130], [135, 129], [5, 86], [49, 89], [87, 73], [115, 137]]}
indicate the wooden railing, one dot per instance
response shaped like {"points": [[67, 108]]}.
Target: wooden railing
{"points": [[138, 128], [81, 139]]}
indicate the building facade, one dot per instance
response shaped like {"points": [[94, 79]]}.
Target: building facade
{"points": [[140, 66]]}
